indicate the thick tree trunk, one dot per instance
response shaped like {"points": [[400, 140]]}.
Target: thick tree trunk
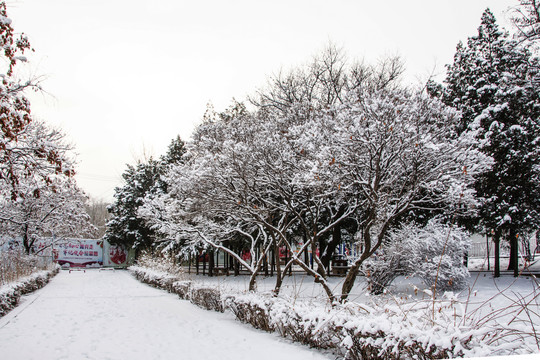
{"points": [[513, 264], [496, 244], [26, 240], [211, 264], [350, 280], [366, 253], [253, 280], [323, 249]]}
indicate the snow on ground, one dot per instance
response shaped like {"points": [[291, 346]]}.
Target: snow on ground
{"points": [[481, 264], [110, 315], [481, 287]]}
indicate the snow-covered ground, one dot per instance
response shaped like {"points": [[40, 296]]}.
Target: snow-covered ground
{"points": [[110, 315], [481, 264], [481, 287]]}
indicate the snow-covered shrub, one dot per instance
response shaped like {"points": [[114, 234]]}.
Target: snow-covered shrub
{"points": [[9, 298], [392, 329], [160, 262], [182, 288], [382, 269], [434, 253], [155, 278], [251, 309], [207, 298], [305, 323]]}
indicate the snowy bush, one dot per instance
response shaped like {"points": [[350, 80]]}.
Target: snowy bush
{"points": [[160, 262], [182, 289], [251, 309], [434, 253], [305, 323], [155, 278], [14, 264], [207, 298]]}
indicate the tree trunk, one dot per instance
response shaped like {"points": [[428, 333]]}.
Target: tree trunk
{"points": [[272, 263], [513, 264], [366, 253], [204, 264], [323, 249], [349, 280], [331, 247], [279, 279], [26, 240], [211, 264], [236, 267], [496, 244], [265, 265]]}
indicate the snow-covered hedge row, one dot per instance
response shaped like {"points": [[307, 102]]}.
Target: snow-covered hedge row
{"points": [[10, 294], [420, 329], [204, 297], [352, 331]]}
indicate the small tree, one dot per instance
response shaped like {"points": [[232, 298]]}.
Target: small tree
{"points": [[99, 216], [433, 252]]}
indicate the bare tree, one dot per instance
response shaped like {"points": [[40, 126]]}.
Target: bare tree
{"points": [[326, 80], [526, 20], [97, 210]]}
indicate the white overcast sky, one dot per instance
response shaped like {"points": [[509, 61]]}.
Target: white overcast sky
{"points": [[123, 77]]}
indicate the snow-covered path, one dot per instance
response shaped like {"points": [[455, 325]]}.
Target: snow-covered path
{"points": [[110, 315]]}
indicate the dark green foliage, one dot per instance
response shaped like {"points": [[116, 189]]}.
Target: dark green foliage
{"points": [[126, 227], [492, 83]]}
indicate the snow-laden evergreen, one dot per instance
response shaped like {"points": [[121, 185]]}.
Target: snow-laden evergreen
{"points": [[493, 83], [142, 180]]}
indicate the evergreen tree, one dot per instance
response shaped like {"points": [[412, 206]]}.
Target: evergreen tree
{"points": [[126, 227], [174, 155], [175, 152], [490, 82]]}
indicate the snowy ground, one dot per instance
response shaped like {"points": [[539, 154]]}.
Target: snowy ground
{"points": [[481, 264], [110, 315], [482, 287]]}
